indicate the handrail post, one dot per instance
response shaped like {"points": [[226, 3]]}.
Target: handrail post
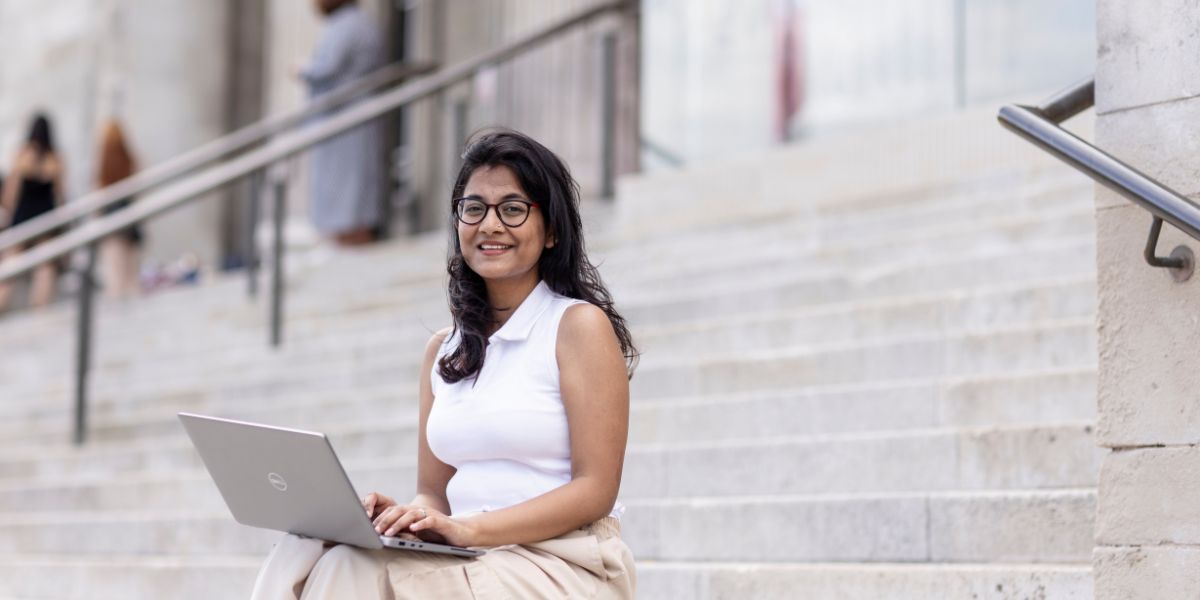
{"points": [[252, 234], [277, 288], [83, 338], [608, 114]]}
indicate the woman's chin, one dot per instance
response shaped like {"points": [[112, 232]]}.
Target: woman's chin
{"points": [[497, 273]]}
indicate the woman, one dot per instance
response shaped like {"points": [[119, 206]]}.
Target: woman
{"points": [[119, 251], [347, 170], [524, 409], [33, 188]]}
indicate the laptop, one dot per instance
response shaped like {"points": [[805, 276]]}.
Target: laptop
{"points": [[290, 480]]}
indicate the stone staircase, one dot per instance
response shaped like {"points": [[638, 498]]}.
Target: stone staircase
{"points": [[883, 393]]}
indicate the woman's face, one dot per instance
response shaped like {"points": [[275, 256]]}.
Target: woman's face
{"points": [[492, 249]]}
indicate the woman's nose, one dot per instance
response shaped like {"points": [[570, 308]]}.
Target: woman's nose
{"points": [[491, 220]]}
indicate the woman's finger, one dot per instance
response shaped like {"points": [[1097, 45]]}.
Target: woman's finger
{"points": [[387, 517], [376, 502], [438, 528], [410, 516]]}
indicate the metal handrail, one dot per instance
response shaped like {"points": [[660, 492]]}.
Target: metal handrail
{"points": [[1039, 124], [290, 144], [207, 153]]}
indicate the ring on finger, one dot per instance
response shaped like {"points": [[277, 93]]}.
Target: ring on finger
{"points": [[424, 515]]}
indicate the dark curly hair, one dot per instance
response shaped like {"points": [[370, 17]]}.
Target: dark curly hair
{"points": [[564, 267]]}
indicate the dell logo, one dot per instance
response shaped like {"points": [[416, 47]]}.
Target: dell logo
{"points": [[277, 481]]}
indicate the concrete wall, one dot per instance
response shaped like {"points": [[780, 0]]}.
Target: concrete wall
{"points": [[1148, 104]]}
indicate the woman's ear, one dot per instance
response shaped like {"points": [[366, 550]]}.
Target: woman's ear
{"points": [[550, 241]]}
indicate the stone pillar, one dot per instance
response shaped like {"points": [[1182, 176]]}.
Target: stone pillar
{"points": [[1148, 114], [165, 74]]}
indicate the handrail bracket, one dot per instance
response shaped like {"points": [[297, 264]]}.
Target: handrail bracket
{"points": [[1181, 263]]}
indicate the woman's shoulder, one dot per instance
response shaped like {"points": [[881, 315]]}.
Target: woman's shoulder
{"points": [[30, 162], [435, 343], [24, 161], [583, 320], [438, 338]]}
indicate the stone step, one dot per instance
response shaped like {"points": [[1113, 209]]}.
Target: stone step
{"points": [[152, 439], [858, 581], [969, 230], [145, 343], [202, 578], [1005, 526], [957, 310], [432, 319], [398, 260], [773, 246], [701, 299], [689, 205], [318, 397], [65, 576], [1059, 344], [953, 312], [377, 367], [381, 457], [123, 353]]}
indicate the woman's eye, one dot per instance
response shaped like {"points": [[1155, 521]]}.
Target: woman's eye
{"points": [[514, 209], [473, 210]]}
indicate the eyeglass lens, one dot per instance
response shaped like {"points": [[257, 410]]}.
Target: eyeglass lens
{"points": [[513, 213]]}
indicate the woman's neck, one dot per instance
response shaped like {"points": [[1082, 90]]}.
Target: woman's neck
{"points": [[506, 296]]}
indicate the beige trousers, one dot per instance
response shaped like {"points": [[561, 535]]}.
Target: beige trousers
{"points": [[591, 562]]}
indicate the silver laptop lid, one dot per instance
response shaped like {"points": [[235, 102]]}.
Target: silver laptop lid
{"points": [[282, 479]]}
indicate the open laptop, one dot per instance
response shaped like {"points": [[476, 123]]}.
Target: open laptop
{"points": [[289, 480]]}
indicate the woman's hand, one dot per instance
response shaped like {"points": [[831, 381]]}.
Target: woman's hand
{"points": [[375, 503], [427, 524], [434, 526]]}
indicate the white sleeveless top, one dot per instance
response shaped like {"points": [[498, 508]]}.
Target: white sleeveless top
{"points": [[505, 431]]}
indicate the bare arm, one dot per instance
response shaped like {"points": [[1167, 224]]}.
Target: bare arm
{"points": [[9, 197], [432, 474], [595, 393], [59, 191]]}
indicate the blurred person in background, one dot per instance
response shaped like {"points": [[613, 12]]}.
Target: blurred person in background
{"points": [[119, 252], [33, 188], [347, 170]]}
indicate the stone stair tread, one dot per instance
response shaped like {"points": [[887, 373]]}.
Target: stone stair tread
{"points": [[232, 576], [936, 387], [781, 444]]}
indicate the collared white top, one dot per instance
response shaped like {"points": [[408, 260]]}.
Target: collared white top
{"points": [[505, 431]]}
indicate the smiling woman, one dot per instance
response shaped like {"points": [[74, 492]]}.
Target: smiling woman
{"points": [[524, 411]]}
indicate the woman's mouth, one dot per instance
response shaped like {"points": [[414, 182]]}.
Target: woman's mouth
{"points": [[490, 249]]}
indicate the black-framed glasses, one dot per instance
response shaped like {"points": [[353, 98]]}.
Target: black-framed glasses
{"points": [[513, 213]]}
